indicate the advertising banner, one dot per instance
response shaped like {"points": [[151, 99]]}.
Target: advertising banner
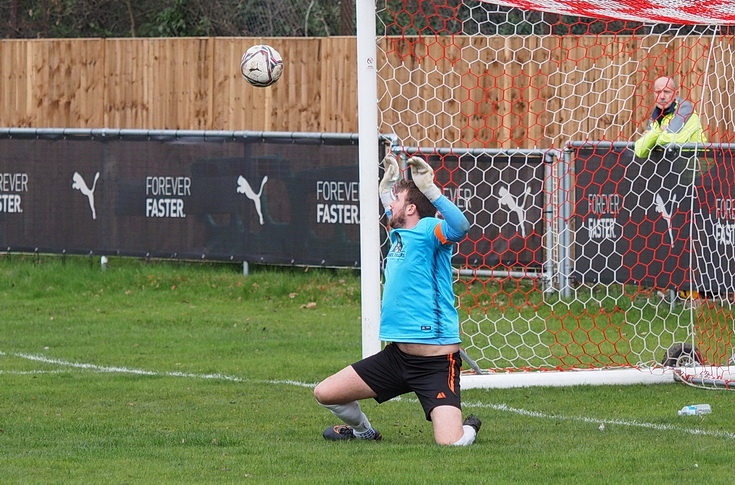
{"points": [[664, 222], [290, 201], [503, 197]]}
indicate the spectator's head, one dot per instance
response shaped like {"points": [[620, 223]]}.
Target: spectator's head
{"points": [[665, 89]]}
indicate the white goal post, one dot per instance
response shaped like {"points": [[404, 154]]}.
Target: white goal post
{"points": [[587, 263]]}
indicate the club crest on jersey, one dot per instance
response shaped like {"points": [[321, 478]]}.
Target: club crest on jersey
{"points": [[397, 251]]}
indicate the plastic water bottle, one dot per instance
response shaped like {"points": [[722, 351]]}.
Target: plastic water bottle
{"points": [[695, 409]]}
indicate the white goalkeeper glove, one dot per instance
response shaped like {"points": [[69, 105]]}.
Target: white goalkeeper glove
{"points": [[390, 177], [423, 176]]}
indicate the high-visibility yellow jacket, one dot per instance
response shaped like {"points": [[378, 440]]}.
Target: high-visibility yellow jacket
{"points": [[678, 123]]}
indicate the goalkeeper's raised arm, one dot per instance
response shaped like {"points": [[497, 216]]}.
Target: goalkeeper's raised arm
{"points": [[455, 226]]}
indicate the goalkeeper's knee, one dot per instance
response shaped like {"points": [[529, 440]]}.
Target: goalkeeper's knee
{"points": [[467, 438]]}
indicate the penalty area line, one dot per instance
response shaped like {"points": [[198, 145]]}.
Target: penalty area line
{"points": [[28, 372], [618, 422], [141, 372]]}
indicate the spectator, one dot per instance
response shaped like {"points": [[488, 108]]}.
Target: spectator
{"points": [[673, 120]]}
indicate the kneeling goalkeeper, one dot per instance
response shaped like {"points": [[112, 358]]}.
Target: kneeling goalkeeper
{"points": [[419, 320]]}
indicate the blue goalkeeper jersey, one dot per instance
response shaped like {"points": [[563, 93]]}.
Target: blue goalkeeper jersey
{"points": [[418, 298]]}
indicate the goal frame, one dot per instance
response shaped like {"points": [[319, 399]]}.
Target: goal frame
{"points": [[370, 234]]}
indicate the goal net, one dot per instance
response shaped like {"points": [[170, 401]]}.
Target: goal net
{"points": [[583, 255]]}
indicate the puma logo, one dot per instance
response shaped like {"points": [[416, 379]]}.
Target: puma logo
{"points": [[516, 206], [243, 187], [80, 185]]}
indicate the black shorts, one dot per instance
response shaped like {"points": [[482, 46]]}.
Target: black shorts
{"points": [[435, 380]]}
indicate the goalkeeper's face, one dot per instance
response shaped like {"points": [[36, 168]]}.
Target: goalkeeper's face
{"points": [[398, 210]]}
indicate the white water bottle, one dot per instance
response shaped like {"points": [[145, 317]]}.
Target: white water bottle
{"points": [[695, 409]]}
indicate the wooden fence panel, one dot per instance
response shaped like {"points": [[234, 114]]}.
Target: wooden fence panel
{"points": [[317, 91], [159, 83], [125, 103], [52, 83]]}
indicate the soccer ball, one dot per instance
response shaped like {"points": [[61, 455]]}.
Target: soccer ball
{"points": [[261, 65]]}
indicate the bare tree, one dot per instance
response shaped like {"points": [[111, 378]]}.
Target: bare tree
{"points": [[152, 18]]}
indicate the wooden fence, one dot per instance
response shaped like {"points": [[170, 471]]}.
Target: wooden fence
{"points": [[176, 83], [477, 91]]}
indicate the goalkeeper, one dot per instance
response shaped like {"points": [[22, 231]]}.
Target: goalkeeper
{"points": [[419, 320], [673, 120]]}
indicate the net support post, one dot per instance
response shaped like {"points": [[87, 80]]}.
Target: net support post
{"points": [[367, 102], [564, 176], [550, 233]]}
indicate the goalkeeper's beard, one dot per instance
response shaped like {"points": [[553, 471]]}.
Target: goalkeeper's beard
{"points": [[397, 221]]}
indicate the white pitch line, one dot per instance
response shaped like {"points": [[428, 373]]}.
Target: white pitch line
{"points": [[127, 370], [29, 372], [619, 422], [496, 407]]}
